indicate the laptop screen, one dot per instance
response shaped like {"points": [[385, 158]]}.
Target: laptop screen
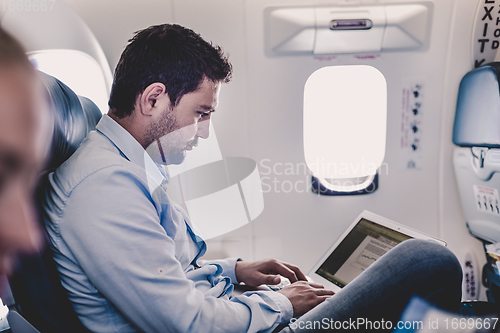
{"points": [[366, 242]]}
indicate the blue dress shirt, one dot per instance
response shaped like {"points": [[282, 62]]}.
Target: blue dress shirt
{"points": [[128, 256]]}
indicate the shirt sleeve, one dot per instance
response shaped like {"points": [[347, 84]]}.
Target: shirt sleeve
{"points": [[228, 265], [283, 303], [112, 227]]}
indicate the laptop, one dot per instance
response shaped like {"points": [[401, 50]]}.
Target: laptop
{"points": [[368, 238]]}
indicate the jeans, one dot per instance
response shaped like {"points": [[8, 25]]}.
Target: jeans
{"points": [[381, 292]]}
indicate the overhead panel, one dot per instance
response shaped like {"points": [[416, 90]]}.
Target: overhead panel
{"points": [[347, 29]]}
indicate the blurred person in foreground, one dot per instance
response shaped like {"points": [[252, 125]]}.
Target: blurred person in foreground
{"points": [[24, 141]]}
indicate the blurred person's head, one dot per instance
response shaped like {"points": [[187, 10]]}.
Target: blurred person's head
{"points": [[166, 86], [24, 140]]}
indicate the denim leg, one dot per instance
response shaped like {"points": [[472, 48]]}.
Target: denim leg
{"points": [[414, 267]]}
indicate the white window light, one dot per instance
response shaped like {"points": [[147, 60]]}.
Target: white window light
{"points": [[345, 116], [77, 70], [4, 310]]}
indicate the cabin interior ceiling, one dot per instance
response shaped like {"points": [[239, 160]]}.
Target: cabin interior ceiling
{"points": [[260, 116]]}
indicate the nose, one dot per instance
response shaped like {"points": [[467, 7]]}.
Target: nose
{"points": [[204, 128]]}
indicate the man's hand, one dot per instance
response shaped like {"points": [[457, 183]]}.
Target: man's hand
{"points": [[255, 273], [305, 295]]}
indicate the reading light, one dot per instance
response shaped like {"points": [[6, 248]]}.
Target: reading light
{"points": [[345, 115], [351, 24]]}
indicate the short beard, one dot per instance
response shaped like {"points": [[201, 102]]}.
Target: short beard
{"points": [[166, 124]]}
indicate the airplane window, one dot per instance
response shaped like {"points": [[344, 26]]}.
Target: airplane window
{"points": [[345, 120], [77, 70]]}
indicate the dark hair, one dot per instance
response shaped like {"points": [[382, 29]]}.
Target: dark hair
{"points": [[12, 52], [171, 54]]}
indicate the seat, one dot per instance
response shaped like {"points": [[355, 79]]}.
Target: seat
{"points": [[38, 293], [476, 160]]}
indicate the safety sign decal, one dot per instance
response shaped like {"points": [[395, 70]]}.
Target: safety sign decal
{"points": [[487, 199], [412, 107], [486, 35]]}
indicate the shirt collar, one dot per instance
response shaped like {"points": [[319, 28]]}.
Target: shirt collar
{"points": [[131, 149]]}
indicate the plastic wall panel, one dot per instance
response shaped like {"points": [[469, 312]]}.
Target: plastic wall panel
{"points": [[114, 21], [407, 196]]}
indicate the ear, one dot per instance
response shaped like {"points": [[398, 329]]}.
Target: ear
{"points": [[148, 100]]}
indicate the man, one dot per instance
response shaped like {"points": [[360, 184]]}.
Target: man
{"points": [[24, 140], [129, 257]]}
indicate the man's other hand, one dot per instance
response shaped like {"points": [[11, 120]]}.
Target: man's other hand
{"points": [[255, 273], [305, 295]]}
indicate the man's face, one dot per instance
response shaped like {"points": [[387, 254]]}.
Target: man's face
{"points": [[177, 129], [24, 129]]}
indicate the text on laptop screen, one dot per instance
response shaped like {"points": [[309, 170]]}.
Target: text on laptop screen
{"points": [[366, 242]]}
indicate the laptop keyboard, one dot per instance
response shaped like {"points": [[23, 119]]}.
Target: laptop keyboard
{"points": [[284, 282]]}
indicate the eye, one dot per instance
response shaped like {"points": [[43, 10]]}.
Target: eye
{"points": [[203, 113]]}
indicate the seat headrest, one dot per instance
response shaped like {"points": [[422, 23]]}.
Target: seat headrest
{"points": [[74, 116], [477, 117]]}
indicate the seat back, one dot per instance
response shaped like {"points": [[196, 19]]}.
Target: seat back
{"points": [[35, 284], [477, 159]]}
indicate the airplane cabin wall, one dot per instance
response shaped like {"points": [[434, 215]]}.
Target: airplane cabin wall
{"points": [[309, 223], [260, 116], [459, 62]]}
